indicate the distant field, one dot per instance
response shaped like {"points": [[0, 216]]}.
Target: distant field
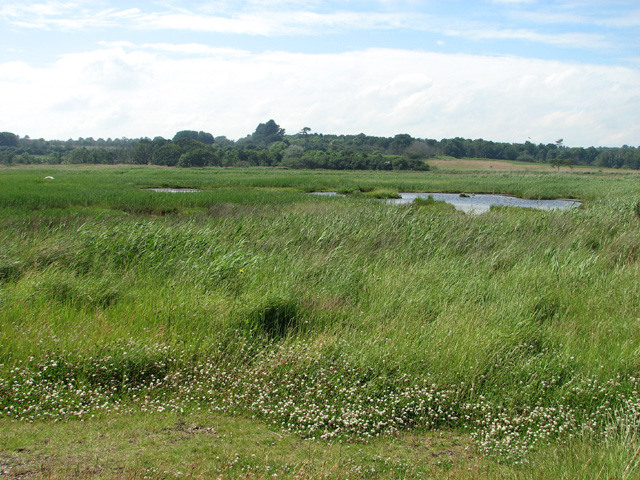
{"points": [[375, 340], [450, 163]]}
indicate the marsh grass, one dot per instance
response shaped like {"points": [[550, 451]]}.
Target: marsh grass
{"points": [[336, 319]]}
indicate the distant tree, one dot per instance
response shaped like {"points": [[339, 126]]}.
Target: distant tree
{"points": [[277, 147], [292, 156], [200, 136], [591, 154], [188, 144], [24, 158], [182, 134], [556, 162], [509, 152], [222, 141], [78, 156], [293, 151], [168, 154], [530, 148], [205, 138], [268, 133], [55, 158], [419, 149], [400, 163], [525, 157], [454, 148], [143, 152], [8, 139], [305, 134], [159, 142], [400, 142], [418, 164], [197, 158], [7, 156], [268, 129], [103, 156]]}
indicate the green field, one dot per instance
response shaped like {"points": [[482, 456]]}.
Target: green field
{"points": [[358, 339]]}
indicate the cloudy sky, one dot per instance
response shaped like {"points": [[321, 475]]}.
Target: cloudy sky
{"points": [[503, 70]]}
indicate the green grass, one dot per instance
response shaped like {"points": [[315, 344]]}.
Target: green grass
{"points": [[211, 446], [202, 445], [335, 319]]}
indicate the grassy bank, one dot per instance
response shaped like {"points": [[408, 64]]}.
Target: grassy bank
{"points": [[336, 319]]}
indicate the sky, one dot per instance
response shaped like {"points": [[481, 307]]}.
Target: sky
{"points": [[501, 70]]}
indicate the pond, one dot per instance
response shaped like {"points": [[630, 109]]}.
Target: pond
{"points": [[175, 190], [478, 203]]}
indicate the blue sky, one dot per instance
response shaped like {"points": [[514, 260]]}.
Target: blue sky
{"points": [[505, 70]]}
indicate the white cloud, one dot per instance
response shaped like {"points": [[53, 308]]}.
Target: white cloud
{"points": [[514, 1], [47, 8], [290, 22], [574, 40], [629, 20], [272, 23], [280, 18], [66, 17], [117, 44], [195, 49], [148, 91]]}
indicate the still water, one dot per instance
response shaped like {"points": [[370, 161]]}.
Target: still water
{"points": [[175, 190], [479, 203]]}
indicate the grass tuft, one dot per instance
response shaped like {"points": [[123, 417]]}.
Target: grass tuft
{"points": [[274, 317]]}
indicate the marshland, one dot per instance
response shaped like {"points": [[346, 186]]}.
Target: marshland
{"points": [[251, 330]]}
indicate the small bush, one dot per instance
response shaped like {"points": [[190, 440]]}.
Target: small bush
{"points": [[348, 190], [10, 269], [275, 317], [423, 202], [382, 194]]}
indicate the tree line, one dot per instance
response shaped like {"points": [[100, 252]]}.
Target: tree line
{"points": [[269, 145]]}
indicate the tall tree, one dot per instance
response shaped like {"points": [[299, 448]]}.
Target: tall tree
{"points": [[454, 147], [8, 139], [268, 133], [204, 137], [191, 134]]}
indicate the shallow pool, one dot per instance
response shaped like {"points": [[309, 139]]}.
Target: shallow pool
{"points": [[479, 203], [175, 190], [476, 203]]}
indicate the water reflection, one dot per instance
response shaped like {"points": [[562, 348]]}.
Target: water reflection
{"points": [[476, 203], [479, 203], [328, 194], [175, 190]]}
